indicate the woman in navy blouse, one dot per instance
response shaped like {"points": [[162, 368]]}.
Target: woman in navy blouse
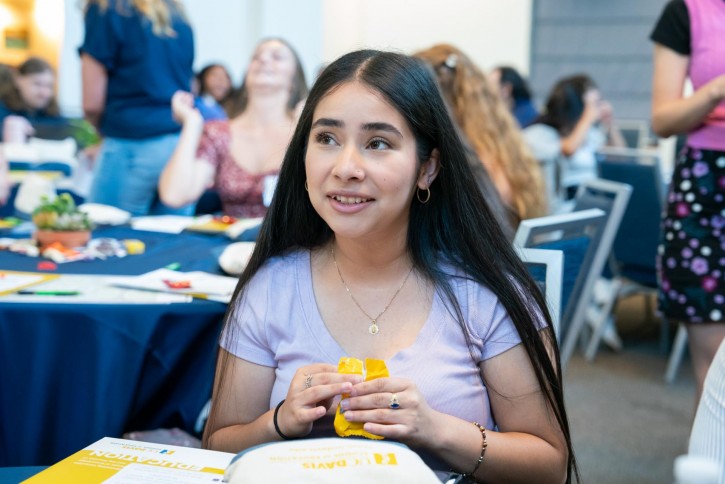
{"points": [[135, 55]]}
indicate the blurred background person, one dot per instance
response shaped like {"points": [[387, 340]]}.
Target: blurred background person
{"points": [[688, 43], [576, 122], [490, 131], [214, 85], [238, 157], [516, 94], [27, 97], [135, 55]]}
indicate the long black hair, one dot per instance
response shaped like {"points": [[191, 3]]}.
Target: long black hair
{"points": [[456, 226], [519, 86], [201, 79], [565, 104]]}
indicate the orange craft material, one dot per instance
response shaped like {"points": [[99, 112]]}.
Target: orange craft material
{"points": [[352, 366]]}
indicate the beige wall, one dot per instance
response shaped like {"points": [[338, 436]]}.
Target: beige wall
{"points": [[490, 32]]}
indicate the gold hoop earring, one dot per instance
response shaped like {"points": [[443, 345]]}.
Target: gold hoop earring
{"points": [[306, 187], [417, 195]]}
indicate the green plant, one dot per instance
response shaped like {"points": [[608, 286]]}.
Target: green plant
{"points": [[84, 133], [60, 214]]}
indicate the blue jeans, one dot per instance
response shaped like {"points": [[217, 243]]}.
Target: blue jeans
{"points": [[127, 173]]}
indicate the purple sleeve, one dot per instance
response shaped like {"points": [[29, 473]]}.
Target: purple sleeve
{"points": [[489, 322], [245, 335]]}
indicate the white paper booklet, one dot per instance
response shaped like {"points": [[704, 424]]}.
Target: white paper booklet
{"points": [[120, 461], [198, 284]]}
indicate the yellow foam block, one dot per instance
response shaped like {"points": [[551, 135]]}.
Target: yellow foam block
{"points": [[134, 246], [352, 366]]}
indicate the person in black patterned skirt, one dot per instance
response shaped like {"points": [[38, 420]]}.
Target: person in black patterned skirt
{"points": [[691, 259]]}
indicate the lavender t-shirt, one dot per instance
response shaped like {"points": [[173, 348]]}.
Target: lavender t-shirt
{"points": [[278, 325]]}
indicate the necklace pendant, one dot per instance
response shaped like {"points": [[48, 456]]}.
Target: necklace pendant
{"points": [[373, 329]]}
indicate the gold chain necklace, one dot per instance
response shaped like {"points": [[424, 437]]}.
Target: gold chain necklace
{"points": [[373, 328]]}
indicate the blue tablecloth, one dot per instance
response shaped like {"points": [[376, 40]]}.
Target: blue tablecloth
{"points": [[194, 252], [71, 374]]}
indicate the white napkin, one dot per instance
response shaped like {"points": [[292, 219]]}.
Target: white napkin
{"points": [[105, 214]]}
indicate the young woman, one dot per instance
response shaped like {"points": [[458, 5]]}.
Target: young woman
{"points": [[135, 56], [515, 92], [27, 97], [235, 157], [213, 87], [692, 254], [378, 244], [576, 122], [490, 130]]}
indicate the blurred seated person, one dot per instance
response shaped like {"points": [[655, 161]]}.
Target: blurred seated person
{"points": [[576, 123], [214, 86], [490, 130], [238, 157], [28, 100], [7, 78], [515, 92]]}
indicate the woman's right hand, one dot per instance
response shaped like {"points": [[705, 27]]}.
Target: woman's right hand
{"points": [[182, 107], [311, 395], [592, 106], [17, 129], [716, 89]]}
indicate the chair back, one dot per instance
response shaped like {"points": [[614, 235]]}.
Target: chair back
{"points": [[610, 196], [547, 269], [578, 236], [636, 132], [635, 247]]}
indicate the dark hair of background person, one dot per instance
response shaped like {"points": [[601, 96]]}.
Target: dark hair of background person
{"points": [[519, 86], [565, 104], [201, 75], [455, 227], [10, 94], [237, 100], [7, 78]]}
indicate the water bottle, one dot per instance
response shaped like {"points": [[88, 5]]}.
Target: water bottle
{"points": [[696, 469]]}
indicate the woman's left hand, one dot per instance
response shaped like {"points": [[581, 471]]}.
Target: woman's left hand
{"points": [[393, 408]]}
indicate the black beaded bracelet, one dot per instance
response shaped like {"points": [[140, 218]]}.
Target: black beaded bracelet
{"points": [[276, 425]]}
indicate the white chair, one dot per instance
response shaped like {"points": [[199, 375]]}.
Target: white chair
{"points": [[613, 198], [552, 263], [578, 236]]}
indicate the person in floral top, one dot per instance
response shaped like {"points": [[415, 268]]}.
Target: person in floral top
{"points": [[239, 156]]}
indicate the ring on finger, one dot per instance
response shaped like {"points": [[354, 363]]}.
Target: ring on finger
{"points": [[394, 403], [308, 381]]}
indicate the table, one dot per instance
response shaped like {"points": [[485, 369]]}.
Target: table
{"points": [[73, 373]]}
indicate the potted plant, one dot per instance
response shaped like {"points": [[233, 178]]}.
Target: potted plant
{"points": [[59, 220]]}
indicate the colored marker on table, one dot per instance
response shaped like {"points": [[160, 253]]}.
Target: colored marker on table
{"points": [[49, 293]]}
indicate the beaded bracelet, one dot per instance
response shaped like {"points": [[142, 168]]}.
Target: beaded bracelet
{"points": [[484, 444], [276, 425]]}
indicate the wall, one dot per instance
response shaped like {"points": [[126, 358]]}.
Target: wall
{"points": [[14, 16], [608, 40], [491, 32]]}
